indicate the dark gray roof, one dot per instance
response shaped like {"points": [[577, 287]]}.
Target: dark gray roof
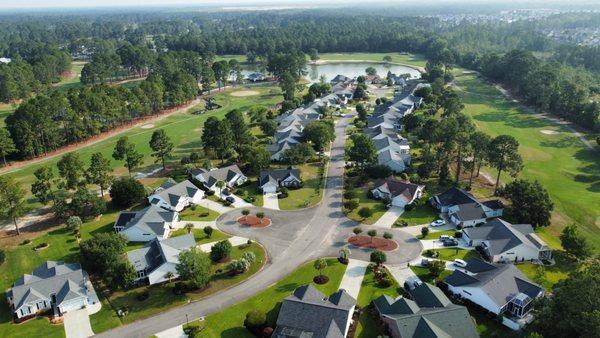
{"points": [[397, 188], [454, 196], [225, 174], [171, 193], [150, 219], [493, 204], [501, 282], [307, 313], [503, 236], [470, 211], [431, 314], [158, 252], [277, 175], [65, 280]]}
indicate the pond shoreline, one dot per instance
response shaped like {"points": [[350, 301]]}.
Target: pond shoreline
{"points": [[329, 62]]}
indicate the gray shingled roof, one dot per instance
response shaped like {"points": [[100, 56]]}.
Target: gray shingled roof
{"points": [[157, 252], [277, 175], [225, 174], [431, 314], [150, 219], [397, 188], [470, 211], [65, 280], [307, 313], [454, 196], [501, 282], [171, 193], [503, 236]]}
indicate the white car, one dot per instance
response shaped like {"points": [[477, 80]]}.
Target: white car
{"points": [[437, 223], [460, 263]]}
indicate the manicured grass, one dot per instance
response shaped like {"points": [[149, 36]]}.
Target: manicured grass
{"points": [[547, 276], [68, 83], [23, 259], [369, 291], [198, 213], [408, 59], [311, 191], [421, 214], [437, 234], [250, 189], [201, 237], [184, 129], [162, 297], [423, 274], [5, 110], [364, 201], [106, 318], [561, 163], [488, 327], [450, 254], [229, 322]]}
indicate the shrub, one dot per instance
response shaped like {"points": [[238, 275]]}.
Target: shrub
{"points": [[2, 256], [220, 251], [204, 214], [378, 257], [126, 192], [401, 223], [74, 222], [208, 231], [238, 266], [424, 231], [351, 204], [210, 193], [458, 234], [350, 194], [388, 235], [249, 256], [409, 207], [25, 242], [357, 230], [255, 320], [226, 203], [365, 212], [142, 296], [385, 282]]}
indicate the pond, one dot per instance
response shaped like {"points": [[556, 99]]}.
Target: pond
{"points": [[351, 69]]}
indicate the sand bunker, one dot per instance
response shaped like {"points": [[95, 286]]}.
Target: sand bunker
{"points": [[549, 132], [243, 93], [147, 126]]}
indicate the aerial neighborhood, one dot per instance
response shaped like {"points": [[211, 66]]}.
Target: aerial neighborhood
{"points": [[299, 173]]}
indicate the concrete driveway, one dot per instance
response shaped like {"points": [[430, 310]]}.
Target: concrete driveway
{"points": [[77, 324], [235, 241], [174, 332], [271, 201], [402, 273], [353, 277], [389, 218]]}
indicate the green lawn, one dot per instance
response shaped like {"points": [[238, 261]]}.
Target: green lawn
{"points": [[421, 214], [369, 291], [184, 129], [364, 201], [547, 276], [423, 274], [311, 191], [450, 254], [162, 298], [407, 59], [563, 165], [437, 234], [5, 110], [72, 82], [250, 189], [229, 322], [200, 236], [198, 213]]}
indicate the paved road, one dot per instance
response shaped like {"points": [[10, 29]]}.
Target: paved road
{"points": [[293, 238]]}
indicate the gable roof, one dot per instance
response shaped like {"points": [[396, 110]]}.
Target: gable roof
{"points": [[399, 188], [158, 252], [503, 236], [150, 219], [431, 314], [501, 282], [172, 192], [454, 196], [277, 175], [65, 280], [470, 211], [307, 313], [225, 174]]}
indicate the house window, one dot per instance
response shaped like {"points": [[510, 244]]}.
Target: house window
{"points": [[141, 273]]}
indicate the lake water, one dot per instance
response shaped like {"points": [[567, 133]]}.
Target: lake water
{"points": [[352, 69]]}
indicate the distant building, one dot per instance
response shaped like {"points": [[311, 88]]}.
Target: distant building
{"points": [[5, 60], [308, 313], [255, 76]]}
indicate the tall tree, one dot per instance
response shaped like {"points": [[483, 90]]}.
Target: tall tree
{"points": [[12, 201], [126, 151], [574, 243], [530, 202], [480, 143], [319, 133], [41, 188], [239, 128], [362, 149], [7, 146], [70, 169], [503, 154], [194, 266], [161, 146], [99, 172]]}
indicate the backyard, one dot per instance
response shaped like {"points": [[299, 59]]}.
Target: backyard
{"points": [[422, 213], [311, 191]]}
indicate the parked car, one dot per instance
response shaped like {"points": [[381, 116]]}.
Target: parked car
{"points": [[412, 282], [230, 199], [444, 238], [460, 263], [226, 192], [438, 223], [450, 242]]}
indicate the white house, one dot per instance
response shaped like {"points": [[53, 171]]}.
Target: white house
{"points": [[56, 287], [308, 313], [465, 210], [176, 196], [499, 288], [146, 224], [270, 180], [400, 193], [255, 76], [505, 242], [158, 258], [231, 175]]}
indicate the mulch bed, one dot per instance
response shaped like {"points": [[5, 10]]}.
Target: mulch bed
{"points": [[373, 243], [254, 221]]}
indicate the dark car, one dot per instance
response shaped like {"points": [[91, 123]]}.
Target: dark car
{"points": [[226, 192], [230, 199], [450, 242]]}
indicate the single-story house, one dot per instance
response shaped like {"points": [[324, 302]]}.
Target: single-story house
{"points": [[176, 196], [308, 313], [473, 213], [499, 288], [373, 79], [147, 224], [53, 286], [340, 78], [505, 242], [394, 160], [429, 314], [270, 180], [278, 149], [400, 193], [231, 175], [451, 197], [159, 257], [255, 76]]}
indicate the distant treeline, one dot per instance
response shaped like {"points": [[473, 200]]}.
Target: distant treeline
{"points": [[49, 121]]}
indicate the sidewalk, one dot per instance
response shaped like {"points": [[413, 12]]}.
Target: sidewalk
{"points": [[235, 241], [353, 277]]}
